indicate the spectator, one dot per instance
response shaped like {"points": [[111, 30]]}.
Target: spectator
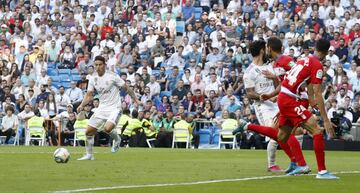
{"points": [[164, 138], [75, 94], [18, 89], [154, 87], [23, 117], [6, 94], [334, 59], [342, 51], [179, 91], [9, 124], [68, 133], [355, 81], [27, 76]]}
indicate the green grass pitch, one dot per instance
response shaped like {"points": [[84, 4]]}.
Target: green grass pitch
{"points": [[32, 169]]}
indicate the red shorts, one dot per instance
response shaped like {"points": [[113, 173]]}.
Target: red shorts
{"points": [[292, 111], [305, 103]]}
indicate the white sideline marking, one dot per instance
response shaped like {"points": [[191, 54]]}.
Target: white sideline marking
{"points": [[190, 183]]}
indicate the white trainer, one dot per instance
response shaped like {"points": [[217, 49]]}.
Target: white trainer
{"points": [[86, 157], [116, 146]]}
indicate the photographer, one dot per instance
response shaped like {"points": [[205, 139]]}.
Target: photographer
{"points": [[342, 118]]}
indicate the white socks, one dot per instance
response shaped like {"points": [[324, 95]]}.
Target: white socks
{"points": [[271, 152], [89, 144], [113, 134]]}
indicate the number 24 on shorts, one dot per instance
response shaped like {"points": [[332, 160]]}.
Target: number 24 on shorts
{"points": [[300, 111]]}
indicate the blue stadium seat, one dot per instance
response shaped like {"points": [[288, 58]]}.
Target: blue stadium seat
{"points": [[52, 72], [75, 71], [64, 71], [180, 27], [57, 84], [198, 12], [168, 72], [55, 78], [218, 114], [155, 72], [204, 136], [51, 65], [75, 77], [64, 78], [165, 93], [66, 84], [215, 137]]}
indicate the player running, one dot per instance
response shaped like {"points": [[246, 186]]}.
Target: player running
{"points": [[107, 85], [307, 72], [256, 85]]}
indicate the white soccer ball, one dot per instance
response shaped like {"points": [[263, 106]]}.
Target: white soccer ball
{"points": [[61, 155]]}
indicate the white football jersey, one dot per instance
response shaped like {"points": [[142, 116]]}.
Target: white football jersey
{"points": [[254, 78], [108, 89]]}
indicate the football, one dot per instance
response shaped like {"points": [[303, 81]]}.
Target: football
{"points": [[61, 155]]}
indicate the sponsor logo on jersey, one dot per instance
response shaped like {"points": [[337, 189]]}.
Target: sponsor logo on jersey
{"points": [[319, 74]]}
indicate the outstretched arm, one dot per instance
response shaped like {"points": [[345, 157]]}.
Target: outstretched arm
{"points": [[88, 97]]}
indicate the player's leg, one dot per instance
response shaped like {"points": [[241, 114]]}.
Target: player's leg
{"points": [[109, 128], [319, 147], [89, 143]]}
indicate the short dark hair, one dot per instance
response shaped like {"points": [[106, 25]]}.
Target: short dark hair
{"points": [[100, 58], [134, 114], [322, 45], [275, 44], [10, 108], [256, 46]]}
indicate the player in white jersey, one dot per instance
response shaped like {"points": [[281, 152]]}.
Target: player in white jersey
{"points": [[257, 84], [107, 85]]}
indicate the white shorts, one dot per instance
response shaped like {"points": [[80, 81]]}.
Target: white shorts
{"points": [[265, 112], [98, 119]]}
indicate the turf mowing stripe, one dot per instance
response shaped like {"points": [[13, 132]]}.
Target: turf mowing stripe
{"points": [[190, 183], [49, 152]]}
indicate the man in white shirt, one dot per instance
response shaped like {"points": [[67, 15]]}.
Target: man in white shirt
{"points": [[107, 42], [334, 59], [154, 86], [176, 59], [62, 100], [24, 116], [332, 20], [272, 22], [213, 84], [75, 94]]}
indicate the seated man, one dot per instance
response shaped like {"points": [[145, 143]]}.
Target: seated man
{"points": [[68, 132], [9, 124]]}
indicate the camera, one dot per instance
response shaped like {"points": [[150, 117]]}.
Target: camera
{"points": [[338, 115]]}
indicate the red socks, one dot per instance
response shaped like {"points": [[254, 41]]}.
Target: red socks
{"points": [[287, 150], [319, 148], [296, 150], [267, 131], [291, 148]]}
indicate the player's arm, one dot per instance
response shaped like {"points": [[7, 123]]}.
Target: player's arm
{"points": [[86, 100], [273, 93], [251, 94], [249, 84], [317, 93], [311, 95]]}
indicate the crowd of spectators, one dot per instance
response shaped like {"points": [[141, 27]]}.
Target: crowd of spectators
{"points": [[179, 56]]}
